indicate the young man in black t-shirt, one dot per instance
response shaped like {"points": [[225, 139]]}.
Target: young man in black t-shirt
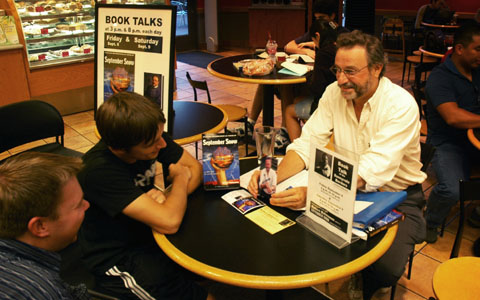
{"points": [[118, 180]]}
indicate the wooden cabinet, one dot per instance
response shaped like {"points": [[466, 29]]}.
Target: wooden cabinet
{"points": [[12, 75], [283, 22]]}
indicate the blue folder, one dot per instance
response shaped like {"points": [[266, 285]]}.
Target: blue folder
{"points": [[383, 203]]}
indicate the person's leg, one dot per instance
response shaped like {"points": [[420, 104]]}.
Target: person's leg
{"points": [[299, 110], [257, 105], [287, 97], [389, 268], [451, 164], [149, 274]]}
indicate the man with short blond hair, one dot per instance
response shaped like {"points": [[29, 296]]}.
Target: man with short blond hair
{"points": [[41, 210]]}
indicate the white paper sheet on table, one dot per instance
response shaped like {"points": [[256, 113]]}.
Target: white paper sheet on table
{"points": [[299, 69], [305, 58], [299, 179]]}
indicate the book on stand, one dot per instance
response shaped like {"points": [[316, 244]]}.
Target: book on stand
{"points": [[221, 168]]}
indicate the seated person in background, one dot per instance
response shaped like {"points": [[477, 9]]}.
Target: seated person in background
{"points": [[453, 106], [42, 208], [378, 120], [323, 33], [437, 12], [322, 9], [119, 180]]}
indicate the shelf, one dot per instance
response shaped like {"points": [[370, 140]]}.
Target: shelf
{"points": [[52, 16], [58, 37]]}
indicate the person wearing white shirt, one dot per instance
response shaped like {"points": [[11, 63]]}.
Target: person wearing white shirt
{"points": [[379, 121]]}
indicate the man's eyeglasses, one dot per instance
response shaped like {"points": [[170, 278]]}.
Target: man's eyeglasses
{"points": [[348, 72]]}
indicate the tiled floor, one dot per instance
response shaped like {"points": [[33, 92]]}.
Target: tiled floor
{"points": [[79, 135]]}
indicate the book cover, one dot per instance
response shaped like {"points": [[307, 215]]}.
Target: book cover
{"points": [[382, 203], [390, 219], [221, 168]]}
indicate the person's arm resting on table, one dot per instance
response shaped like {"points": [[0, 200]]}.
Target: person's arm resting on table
{"points": [[164, 217], [307, 47], [195, 169]]}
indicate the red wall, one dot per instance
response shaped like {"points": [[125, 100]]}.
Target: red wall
{"points": [[456, 5], [226, 3]]}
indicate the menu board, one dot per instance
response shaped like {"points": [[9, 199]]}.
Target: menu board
{"points": [[135, 52]]}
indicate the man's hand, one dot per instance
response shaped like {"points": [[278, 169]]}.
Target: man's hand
{"points": [[157, 195], [294, 198], [179, 171], [253, 184]]}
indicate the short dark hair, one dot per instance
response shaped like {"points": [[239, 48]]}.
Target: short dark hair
{"points": [[325, 29], [327, 7], [31, 185], [464, 34], [128, 119], [372, 45]]}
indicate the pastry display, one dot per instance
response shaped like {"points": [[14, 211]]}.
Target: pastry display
{"points": [[57, 29]]}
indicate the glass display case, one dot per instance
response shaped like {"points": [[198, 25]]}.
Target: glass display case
{"points": [[57, 31]]}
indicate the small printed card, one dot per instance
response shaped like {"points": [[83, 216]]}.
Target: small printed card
{"points": [[256, 211]]}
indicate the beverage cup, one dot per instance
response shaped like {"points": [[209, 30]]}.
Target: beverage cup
{"points": [[281, 57], [265, 140]]}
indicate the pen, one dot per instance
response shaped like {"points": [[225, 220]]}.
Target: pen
{"points": [[290, 187]]}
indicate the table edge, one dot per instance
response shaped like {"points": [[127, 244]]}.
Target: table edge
{"points": [[198, 137], [473, 138], [439, 25], [254, 80], [276, 282]]}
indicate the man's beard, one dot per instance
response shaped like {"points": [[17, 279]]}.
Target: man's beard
{"points": [[358, 91]]}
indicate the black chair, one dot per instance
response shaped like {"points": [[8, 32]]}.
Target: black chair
{"points": [[74, 272], [422, 63], [33, 120], [234, 112], [469, 191], [419, 95], [426, 155]]}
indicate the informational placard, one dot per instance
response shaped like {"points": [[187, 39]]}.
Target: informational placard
{"points": [[135, 52], [332, 184]]}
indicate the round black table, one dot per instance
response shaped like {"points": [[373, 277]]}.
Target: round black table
{"points": [[223, 68], [192, 119], [219, 243]]}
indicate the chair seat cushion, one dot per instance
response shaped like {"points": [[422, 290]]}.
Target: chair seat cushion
{"points": [[418, 59]]}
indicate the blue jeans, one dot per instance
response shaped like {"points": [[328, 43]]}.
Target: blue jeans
{"points": [[451, 163]]}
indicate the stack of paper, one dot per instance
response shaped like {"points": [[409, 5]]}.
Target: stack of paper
{"points": [[294, 69]]}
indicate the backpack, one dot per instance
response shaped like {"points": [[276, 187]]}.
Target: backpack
{"points": [[435, 41]]}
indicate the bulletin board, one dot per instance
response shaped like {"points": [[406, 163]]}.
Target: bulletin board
{"points": [[134, 51]]}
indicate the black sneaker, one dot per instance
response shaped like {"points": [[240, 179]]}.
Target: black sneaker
{"points": [[474, 219], [432, 235]]}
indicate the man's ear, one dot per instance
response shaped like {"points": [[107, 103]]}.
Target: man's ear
{"points": [[458, 49], [38, 227]]}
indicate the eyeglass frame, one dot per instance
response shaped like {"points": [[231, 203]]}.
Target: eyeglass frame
{"points": [[336, 69]]}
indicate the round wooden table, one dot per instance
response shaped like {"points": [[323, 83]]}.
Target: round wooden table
{"points": [[192, 119], [224, 68], [219, 243], [457, 278], [446, 26]]}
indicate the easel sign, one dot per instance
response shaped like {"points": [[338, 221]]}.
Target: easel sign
{"points": [[332, 184], [134, 51]]}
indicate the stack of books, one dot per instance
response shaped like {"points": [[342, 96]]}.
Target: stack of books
{"points": [[380, 215]]}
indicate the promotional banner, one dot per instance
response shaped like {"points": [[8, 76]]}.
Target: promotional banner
{"points": [[135, 53]]}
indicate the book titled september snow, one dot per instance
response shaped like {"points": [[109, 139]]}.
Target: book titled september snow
{"points": [[221, 168]]}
